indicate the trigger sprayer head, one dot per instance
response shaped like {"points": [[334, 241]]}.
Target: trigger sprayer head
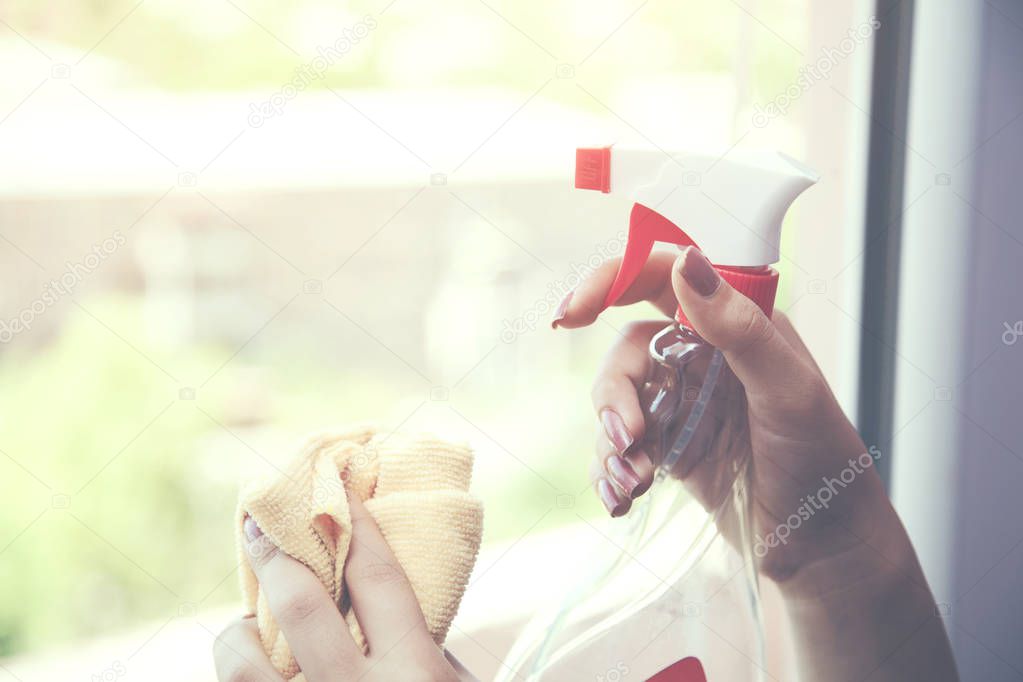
{"points": [[730, 206]]}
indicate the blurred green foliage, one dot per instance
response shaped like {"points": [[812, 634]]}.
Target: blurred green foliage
{"points": [[147, 523], [119, 496]]}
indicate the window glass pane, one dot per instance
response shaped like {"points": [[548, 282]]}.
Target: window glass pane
{"points": [[228, 223]]}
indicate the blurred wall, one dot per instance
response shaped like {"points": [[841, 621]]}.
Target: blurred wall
{"points": [[958, 461]]}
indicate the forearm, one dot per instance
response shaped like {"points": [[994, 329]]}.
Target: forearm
{"points": [[869, 614]]}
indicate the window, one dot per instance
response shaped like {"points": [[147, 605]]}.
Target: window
{"points": [[327, 213]]}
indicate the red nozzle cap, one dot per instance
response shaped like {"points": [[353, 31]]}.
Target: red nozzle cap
{"points": [[759, 284], [593, 169]]}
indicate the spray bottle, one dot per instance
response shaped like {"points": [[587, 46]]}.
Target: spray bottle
{"points": [[675, 598]]}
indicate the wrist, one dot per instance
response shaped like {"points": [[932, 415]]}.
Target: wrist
{"points": [[868, 613], [872, 558]]}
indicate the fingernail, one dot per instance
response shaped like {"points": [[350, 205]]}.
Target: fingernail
{"points": [[638, 460], [623, 474], [614, 504], [699, 273], [616, 430], [559, 312], [252, 529]]}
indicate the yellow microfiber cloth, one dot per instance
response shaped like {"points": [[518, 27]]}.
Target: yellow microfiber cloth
{"points": [[415, 487]]}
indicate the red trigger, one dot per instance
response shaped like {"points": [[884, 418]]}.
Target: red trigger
{"points": [[646, 226]]}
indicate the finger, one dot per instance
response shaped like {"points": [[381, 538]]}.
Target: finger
{"points": [[615, 391], [238, 654], [629, 475], [383, 600], [758, 354], [640, 461], [587, 300], [310, 620], [615, 503]]}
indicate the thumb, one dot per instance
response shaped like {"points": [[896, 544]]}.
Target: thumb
{"points": [[755, 350]]}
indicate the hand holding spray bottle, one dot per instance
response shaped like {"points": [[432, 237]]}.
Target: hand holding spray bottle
{"points": [[641, 615]]}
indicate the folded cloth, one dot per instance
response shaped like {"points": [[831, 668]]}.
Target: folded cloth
{"points": [[416, 488]]}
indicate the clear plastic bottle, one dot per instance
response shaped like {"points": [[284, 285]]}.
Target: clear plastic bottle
{"points": [[697, 426], [676, 583], [673, 583], [695, 411]]}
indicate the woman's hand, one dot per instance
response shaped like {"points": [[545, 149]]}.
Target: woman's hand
{"points": [[798, 434], [841, 558], [400, 646]]}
